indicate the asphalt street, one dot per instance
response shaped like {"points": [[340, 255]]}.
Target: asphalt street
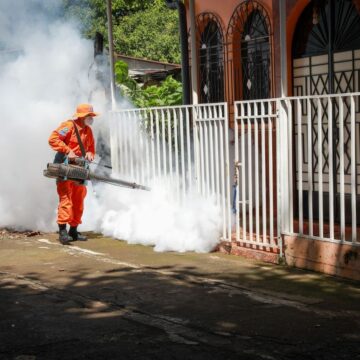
{"points": [[106, 299]]}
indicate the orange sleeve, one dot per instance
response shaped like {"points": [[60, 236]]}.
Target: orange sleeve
{"points": [[60, 137], [91, 142]]}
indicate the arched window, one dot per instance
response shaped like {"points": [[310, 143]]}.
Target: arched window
{"points": [[326, 28], [211, 51], [249, 44]]}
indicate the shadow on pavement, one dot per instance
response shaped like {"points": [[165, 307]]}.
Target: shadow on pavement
{"points": [[175, 312]]}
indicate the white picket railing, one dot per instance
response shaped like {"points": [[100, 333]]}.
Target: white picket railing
{"points": [[296, 161], [185, 145]]}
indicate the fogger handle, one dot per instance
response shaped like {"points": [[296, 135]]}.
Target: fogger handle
{"points": [[79, 161]]}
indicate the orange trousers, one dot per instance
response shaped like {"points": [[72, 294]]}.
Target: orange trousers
{"points": [[71, 202]]}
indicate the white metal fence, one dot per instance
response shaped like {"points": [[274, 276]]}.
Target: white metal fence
{"points": [[184, 145], [323, 160], [296, 161]]}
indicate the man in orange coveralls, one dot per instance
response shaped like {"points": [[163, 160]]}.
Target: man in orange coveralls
{"points": [[71, 194]]}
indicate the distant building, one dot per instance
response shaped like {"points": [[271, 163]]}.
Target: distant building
{"points": [[149, 71]]}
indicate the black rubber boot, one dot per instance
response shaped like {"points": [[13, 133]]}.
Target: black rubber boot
{"points": [[64, 237], [76, 235]]}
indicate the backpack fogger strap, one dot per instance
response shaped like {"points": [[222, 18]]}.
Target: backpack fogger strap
{"points": [[82, 149]]}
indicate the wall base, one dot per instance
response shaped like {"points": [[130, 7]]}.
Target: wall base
{"points": [[249, 252], [327, 257], [330, 258]]}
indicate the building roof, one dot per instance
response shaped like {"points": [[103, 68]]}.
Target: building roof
{"points": [[144, 69]]}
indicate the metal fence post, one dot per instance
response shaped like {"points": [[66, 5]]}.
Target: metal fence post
{"points": [[282, 165]]}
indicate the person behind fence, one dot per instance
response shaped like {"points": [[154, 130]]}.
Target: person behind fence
{"points": [[73, 138]]}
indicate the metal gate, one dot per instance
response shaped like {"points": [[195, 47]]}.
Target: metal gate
{"points": [[254, 190], [186, 146]]}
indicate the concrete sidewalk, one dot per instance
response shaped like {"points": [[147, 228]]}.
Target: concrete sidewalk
{"points": [[105, 299]]}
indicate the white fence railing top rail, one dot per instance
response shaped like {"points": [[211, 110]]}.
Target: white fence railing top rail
{"points": [[304, 97], [169, 107]]}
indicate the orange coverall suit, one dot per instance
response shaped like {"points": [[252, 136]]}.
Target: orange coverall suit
{"points": [[71, 194]]}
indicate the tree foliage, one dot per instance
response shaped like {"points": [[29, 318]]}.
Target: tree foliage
{"points": [[169, 93], [122, 78], [142, 28], [152, 33]]}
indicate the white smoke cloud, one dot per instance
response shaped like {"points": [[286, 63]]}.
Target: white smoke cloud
{"points": [[43, 75], [155, 218], [40, 85]]}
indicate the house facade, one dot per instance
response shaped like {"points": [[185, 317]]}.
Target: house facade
{"points": [[239, 49], [304, 51], [272, 132]]}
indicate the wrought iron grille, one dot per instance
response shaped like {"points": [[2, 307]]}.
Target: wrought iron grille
{"points": [[249, 38], [312, 34], [211, 51], [326, 55]]}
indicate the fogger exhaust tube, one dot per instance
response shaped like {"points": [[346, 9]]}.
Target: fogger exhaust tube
{"points": [[78, 173]]}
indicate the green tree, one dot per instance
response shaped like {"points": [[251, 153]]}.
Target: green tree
{"points": [[152, 33], [122, 78], [142, 28], [168, 93]]}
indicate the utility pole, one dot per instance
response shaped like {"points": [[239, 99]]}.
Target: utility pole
{"points": [[284, 182], [194, 82], [283, 50], [111, 54]]}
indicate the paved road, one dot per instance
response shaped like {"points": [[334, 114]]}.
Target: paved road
{"points": [[105, 299]]}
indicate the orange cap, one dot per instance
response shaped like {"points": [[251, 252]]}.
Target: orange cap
{"points": [[84, 110]]}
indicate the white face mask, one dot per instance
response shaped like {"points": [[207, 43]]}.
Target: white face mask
{"points": [[89, 120]]}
